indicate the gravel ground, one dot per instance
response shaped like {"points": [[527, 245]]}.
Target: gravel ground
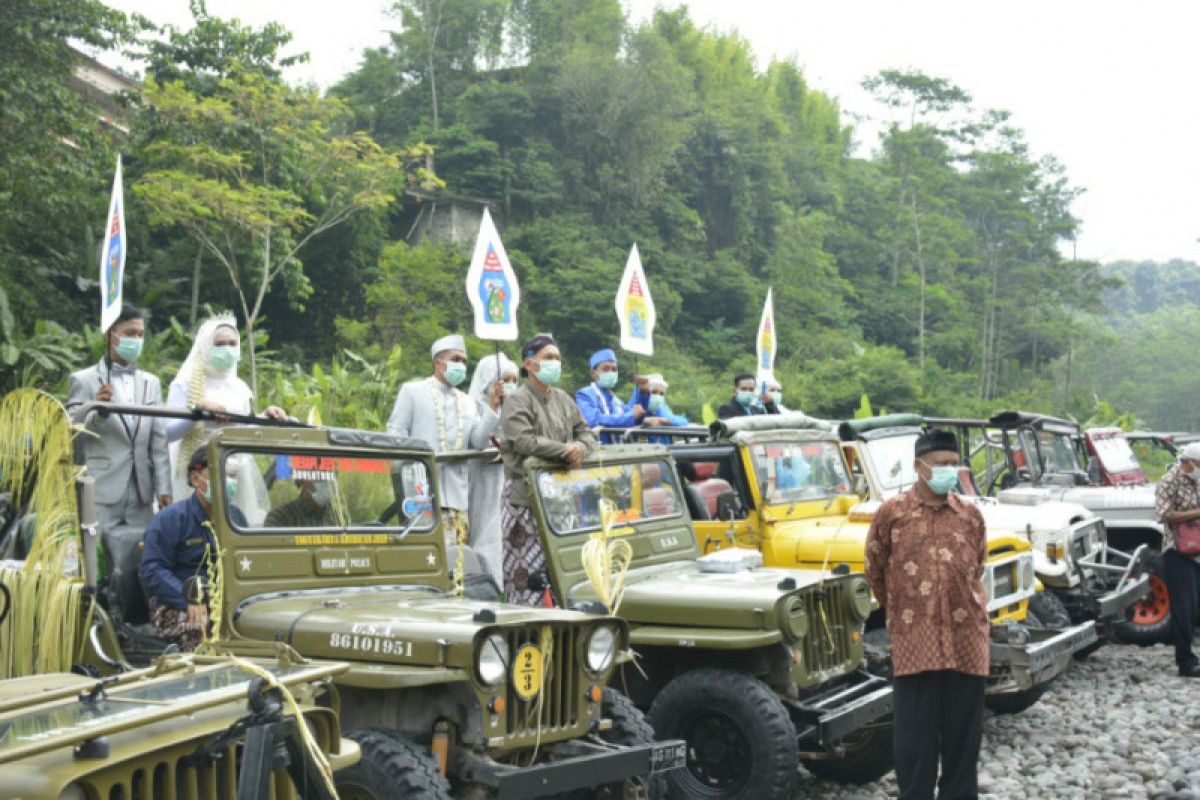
{"points": [[1120, 725]]}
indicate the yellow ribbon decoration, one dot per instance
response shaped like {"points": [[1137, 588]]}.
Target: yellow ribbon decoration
{"points": [[606, 559]]}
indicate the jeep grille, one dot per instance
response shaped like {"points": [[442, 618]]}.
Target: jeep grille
{"points": [[828, 650], [166, 774], [561, 711]]}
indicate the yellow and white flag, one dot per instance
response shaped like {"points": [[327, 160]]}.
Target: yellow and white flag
{"points": [[635, 308]]}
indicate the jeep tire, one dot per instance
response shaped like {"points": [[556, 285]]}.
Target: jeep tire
{"points": [[741, 741], [1016, 702], [392, 768], [868, 756], [1148, 621]]}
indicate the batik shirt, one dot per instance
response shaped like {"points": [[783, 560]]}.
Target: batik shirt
{"points": [[925, 564], [1176, 491]]}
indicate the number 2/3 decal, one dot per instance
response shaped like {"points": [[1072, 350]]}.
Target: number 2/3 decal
{"points": [[527, 672]]}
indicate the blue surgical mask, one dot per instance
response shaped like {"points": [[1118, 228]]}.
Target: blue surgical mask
{"points": [[129, 348], [655, 403], [225, 356], [746, 398], [456, 373], [607, 380], [776, 397], [941, 479], [231, 490], [549, 372]]}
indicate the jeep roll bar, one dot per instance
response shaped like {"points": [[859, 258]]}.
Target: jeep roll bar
{"points": [[642, 433], [194, 413]]}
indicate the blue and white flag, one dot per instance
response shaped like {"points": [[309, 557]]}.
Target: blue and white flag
{"points": [[112, 255]]}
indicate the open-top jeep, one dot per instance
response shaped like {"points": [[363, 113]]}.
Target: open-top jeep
{"points": [[1030, 459], [187, 727], [1069, 541], [780, 484], [444, 694], [755, 668]]}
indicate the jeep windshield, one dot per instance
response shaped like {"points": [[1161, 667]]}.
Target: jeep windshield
{"points": [[330, 492], [572, 499], [892, 458], [788, 472], [1115, 453], [1049, 453]]}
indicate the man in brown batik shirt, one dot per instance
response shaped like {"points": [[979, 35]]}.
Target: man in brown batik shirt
{"points": [[925, 555]]}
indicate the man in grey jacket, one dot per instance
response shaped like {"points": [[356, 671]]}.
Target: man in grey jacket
{"points": [[127, 455]]}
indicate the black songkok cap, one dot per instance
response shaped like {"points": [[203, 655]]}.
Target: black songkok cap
{"points": [[934, 439], [535, 344]]}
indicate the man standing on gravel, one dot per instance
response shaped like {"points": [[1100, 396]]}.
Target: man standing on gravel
{"points": [[1176, 502], [925, 555]]}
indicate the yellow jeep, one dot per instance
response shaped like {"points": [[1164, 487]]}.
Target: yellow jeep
{"points": [[781, 484]]}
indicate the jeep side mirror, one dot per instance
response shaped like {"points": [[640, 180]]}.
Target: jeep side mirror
{"points": [[195, 590], [728, 506], [860, 486]]}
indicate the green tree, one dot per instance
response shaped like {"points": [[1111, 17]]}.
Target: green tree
{"points": [[261, 172]]}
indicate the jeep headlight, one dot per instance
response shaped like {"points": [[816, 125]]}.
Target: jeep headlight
{"points": [[601, 649], [1027, 574], [795, 619], [492, 664], [860, 598]]}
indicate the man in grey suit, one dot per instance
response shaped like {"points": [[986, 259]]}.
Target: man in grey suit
{"points": [[127, 455]]}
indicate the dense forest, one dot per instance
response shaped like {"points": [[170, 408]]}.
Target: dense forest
{"points": [[929, 275]]}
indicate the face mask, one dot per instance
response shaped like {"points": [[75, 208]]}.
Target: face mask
{"points": [[549, 372], [320, 494], [225, 356], [607, 380], [746, 398], [456, 373], [129, 348], [776, 397], [231, 490], [510, 388], [942, 479], [656, 402]]}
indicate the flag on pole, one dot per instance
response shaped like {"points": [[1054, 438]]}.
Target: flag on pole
{"points": [[492, 285], [635, 308], [112, 256], [765, 346]]}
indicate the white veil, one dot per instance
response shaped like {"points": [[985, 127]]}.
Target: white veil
{"points": [[487, 371]]}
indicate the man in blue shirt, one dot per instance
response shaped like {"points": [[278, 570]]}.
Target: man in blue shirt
{"points": [[597, 403], [176, 543], [650, 392]]}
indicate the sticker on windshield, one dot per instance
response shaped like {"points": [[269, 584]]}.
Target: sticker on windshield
{"points": [[316, 468], [415, 506]]}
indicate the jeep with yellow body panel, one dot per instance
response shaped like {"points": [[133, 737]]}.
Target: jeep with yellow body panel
{"points": [[194, 727], [780, 484], [755, 668], [446, 695]]}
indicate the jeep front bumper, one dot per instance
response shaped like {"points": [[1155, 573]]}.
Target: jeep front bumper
{"points": [[824, 719], [1018, 666], [573, 765], [1125, 573]]}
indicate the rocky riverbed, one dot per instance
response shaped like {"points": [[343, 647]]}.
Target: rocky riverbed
{"points": [[1120, 725]]}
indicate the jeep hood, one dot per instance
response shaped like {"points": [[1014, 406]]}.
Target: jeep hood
{"points": [[1096, 498], [395, 626], [1049, 516], [679, 594]]}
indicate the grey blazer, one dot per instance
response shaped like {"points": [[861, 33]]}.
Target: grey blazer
{"points": [[125, 450]]}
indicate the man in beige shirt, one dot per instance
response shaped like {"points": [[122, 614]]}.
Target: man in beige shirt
{"points": [[543, 421]]}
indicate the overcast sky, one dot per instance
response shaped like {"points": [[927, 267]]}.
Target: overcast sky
{"points": [[1101, 85]]}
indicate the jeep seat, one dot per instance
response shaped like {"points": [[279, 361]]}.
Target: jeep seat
{"points": [[710, 490], [651, 475], [123, 556], [705, 469], [478, 583], [658, 502]]}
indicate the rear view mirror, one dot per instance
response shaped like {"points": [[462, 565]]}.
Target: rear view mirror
{"points": [[728, 506], [860, 486]]}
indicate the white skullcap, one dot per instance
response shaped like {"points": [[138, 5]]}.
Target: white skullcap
{"points": [[451, 342], [1191, 451], [656, 379]]}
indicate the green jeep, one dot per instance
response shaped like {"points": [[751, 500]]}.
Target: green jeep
{"points": [[757, 669], [188, 727], [444, 694]]}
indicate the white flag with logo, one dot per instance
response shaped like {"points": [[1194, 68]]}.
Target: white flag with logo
{"points": [[635, 308], [492, 286], [112, 256], [765, 345]]}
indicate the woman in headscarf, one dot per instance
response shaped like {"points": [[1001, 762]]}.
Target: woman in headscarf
{"points": [[208, 380], [486, 478]]}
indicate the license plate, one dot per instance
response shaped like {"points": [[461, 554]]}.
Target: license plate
{"points": [[668, 756]]}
